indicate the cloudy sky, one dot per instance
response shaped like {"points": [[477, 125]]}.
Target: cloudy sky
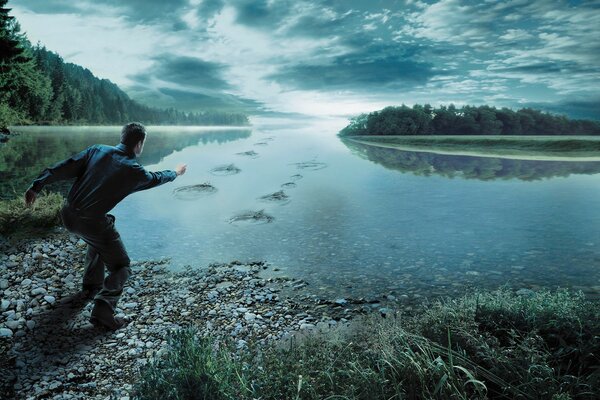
{"points": [[326, 57]]}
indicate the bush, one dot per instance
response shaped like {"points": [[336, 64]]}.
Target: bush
{"points": [[18, 220]]}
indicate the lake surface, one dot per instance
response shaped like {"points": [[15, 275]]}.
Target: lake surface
{"points": [[353, 219]]}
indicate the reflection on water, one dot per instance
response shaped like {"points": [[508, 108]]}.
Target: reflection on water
{"points": [[32, 149], [470, 167], [353, 226]]}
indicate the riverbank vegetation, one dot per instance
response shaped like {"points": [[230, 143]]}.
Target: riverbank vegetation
{"points": [[38, 87], [492, 345], [19, 221], [466, 120]]}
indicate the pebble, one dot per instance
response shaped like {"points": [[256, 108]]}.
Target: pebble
{"points": [[37, 291], [213, 298], [5, 332]]}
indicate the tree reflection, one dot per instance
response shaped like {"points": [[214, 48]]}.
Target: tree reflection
{"points": [[469, 167]]}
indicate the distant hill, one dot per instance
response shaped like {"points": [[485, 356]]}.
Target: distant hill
{"points": [[467, 120], [38, 87]]}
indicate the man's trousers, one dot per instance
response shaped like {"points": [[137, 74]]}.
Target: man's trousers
{"points": [[104, 249]]}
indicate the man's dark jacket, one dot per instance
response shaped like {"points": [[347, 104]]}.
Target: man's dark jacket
{"points": [[104, 174]]}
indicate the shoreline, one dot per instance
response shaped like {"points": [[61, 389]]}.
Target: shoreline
{"points": [[499, 152], [50, 349]]}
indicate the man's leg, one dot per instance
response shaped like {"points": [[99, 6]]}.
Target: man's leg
{"points": [[93, 275], [112, 253]]}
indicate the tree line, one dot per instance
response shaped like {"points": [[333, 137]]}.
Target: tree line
{"points": [[466, 120], [38, 87]]}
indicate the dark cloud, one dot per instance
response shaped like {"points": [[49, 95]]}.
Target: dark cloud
{"points": [[150, 10], [185, 71], [193, 101], [262, 14], [208, 8], [49, 6], [579, 109], [374, 68]]}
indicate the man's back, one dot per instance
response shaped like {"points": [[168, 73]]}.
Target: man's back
{"points": [[105, 175]]}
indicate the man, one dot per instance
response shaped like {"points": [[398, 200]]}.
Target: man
{"points": [[105, 175]]}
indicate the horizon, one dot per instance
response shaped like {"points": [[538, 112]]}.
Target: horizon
{"points": [[326, 59]]}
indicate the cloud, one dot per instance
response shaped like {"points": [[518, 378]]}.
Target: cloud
{"points": [[309, 54], [574, 108], [185, 71], [353, 73]]}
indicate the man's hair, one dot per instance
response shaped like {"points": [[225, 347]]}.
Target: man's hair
{"points": [[132, 133]]}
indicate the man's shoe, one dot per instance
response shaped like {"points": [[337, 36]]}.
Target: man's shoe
{"points": [[89, 291], [102, 317]]}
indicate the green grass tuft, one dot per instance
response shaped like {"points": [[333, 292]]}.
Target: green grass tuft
{"points": [[18, 220], [487, 345]]}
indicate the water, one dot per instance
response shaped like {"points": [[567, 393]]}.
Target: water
{"points": [[356, 220]]}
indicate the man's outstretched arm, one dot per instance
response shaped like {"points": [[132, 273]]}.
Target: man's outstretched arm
{"points": [[148, 179], [72, 167]]}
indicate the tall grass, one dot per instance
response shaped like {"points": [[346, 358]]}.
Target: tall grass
{"points": [[18, 220], [488, 345]]}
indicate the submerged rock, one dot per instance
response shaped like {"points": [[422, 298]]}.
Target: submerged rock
{"points": [[261, 143], [253, 217], [228, 169], [192, 192], [296, 177]]}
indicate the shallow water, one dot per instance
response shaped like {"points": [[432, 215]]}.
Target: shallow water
{"points": [[360, 220]]}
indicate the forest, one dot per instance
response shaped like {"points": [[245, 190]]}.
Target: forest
{"points": [[466, 120], [38, 87]]}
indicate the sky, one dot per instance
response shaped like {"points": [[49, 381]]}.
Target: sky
{"points": [[331, 58]]}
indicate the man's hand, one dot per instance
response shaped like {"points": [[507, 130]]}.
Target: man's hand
{"points": [[30, 196], [181, 169]]}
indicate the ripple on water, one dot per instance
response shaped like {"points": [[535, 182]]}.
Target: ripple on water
{"points": [[278, 197], [252, 217], [249, 153], [310, 165], [288, 185], [296, 177], [193, 192], [228, 169]]}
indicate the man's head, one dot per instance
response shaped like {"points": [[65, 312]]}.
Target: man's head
{"points": [[133, 136]]}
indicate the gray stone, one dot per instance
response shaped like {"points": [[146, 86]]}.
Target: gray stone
{"points": [[4, 305], [5, 332], [306, 326], [30, 324], [39, 290], [3, 284], [50, 299], [13, 325], [26, 282]]}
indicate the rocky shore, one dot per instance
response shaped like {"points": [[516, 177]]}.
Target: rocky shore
{"points": [[50, 350]]}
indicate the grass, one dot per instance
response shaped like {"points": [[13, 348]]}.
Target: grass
{"points": [[18, 220], [486, 345]]}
